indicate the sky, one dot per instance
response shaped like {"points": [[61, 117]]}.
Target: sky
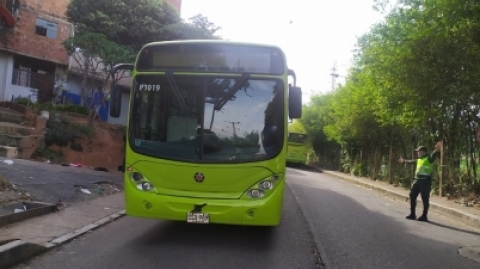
{"points": [[314, 34]]}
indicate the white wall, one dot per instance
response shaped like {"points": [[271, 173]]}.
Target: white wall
{"points": [[122, 120], [6, 87], [4, 61], [74, 84]]}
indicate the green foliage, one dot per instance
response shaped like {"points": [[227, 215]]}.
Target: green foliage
{"points": [[54, 108], [43, 152], [95, 46], [64, 132], [359, 170], [127, 22], [83, 129], [71, 108], [296, 127], [95, 56], [133, 23], [315, 118], [199, 27], [414, 81], [23, 101], [113, 31]]}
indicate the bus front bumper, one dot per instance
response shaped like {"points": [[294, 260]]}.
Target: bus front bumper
{"points": [[264, 211]]}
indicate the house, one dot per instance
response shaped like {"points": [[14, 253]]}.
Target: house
{"points": [[33, 62], [32, 58]]}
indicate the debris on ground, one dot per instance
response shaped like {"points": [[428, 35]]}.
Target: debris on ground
{"points": [[102, 188], [10, 193], [85, 191]]}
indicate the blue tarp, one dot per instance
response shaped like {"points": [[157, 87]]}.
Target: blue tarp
{"points": [[104, 109]]}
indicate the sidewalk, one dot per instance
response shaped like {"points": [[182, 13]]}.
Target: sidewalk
{"points": [[468, 215], [22, 240]]}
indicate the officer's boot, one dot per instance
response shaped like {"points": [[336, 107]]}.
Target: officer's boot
{"points": [[423, 217], [412, 215]]}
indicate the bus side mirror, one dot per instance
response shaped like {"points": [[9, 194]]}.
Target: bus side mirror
{"points": [[116, 90], [295, 102], [115, 101]]}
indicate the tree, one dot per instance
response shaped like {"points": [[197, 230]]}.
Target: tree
{"points": [[197, 28], [134, 23], [95, 56], [315, 117], [296, 127], [127, 22], [415, 80]]}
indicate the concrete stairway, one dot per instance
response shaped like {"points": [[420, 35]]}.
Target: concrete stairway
{"points": [[17, 139]]}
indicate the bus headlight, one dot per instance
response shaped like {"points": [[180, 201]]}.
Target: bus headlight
{"points": [[145, 186], [136, 176], [141, 183], [255, 193], [263, 186]]}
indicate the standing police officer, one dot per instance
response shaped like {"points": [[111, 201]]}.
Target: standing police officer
{"points": [[423, 179]]}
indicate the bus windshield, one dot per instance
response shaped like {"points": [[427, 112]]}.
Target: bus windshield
{"points": [[297, 138], [206, 118]]}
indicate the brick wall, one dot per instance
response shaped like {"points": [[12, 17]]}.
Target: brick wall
{"points": [[52, 8], [26, 41]]}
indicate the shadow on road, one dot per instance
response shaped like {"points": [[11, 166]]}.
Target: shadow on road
{"points": [[453, 228], [304, 167], [288, 245], [250, 239]]}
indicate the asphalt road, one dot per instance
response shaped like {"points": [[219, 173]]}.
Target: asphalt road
{"points": [[350, 227], [356, 228], [52, 183]]}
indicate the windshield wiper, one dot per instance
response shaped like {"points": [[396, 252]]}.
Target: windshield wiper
{"points": [[235, 88], [176, 91]]}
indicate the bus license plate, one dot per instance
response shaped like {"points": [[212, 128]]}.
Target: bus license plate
{"points": [[198, 218]]}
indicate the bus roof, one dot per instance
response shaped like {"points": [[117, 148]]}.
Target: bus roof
{"points": [[211, 41]]}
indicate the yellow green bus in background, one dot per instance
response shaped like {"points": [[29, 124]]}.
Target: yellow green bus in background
{"points": [[207, 131], [297, 148]]}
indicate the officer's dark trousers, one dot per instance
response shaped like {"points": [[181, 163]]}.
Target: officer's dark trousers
{"points": [[423, 187]]}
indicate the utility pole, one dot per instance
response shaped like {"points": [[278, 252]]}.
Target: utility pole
{"points": [[233, 126], [440, 176], [334, 75]]}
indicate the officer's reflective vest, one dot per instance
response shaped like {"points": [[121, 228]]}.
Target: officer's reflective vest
{"points": [[424, 167]]}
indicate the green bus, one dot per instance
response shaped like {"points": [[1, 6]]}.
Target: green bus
{"points": [[207, 131], [297, 148]]}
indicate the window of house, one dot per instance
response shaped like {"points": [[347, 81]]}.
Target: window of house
{"points": [[22, 76], [30, 72], [46, 28]]}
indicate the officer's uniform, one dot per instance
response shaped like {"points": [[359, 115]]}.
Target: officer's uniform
{"points": [[422, 183]]}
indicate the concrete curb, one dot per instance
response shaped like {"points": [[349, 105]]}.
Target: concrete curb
{"points": [[464, 217], [72, 235], [17, 251], [34, 209]]}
